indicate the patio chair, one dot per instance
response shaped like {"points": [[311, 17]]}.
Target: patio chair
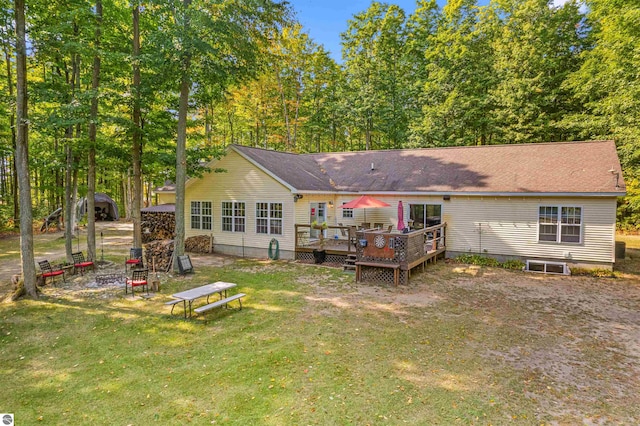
{"points": [[366, 225], [390, 228], [378, 225], [135, 259], [138, 279], [49, 271], [80, 263]]}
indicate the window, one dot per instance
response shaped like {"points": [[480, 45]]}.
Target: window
{"points": [[560, 224], [425, 215], [347, 213], [269, 218], [201, 217], [233, 216]]}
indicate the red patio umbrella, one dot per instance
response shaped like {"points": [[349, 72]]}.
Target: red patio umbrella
{"points": [[400, 216], [364, 202]]}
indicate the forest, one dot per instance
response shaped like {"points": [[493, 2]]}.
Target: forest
{"points": [[122, 96]]}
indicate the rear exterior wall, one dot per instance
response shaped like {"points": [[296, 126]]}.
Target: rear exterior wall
{"points": [[508, 226], [241, 182]]}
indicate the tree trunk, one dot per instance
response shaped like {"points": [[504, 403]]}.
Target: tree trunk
{"points": [[285, 109], [181, 143], [22, 156], [91, 172], [68, 203], [137, 133], [12, 122]]}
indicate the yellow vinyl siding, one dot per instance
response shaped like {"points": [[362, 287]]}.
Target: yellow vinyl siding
{"points": [[509, 226], [499, 226], [242, 182], [166, 197]]}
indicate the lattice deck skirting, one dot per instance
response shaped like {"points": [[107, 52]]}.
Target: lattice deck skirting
{"points": [[330, 260]]}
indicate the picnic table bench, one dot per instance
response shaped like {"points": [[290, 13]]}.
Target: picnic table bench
{"points": [[221, 302], [187, 297]]}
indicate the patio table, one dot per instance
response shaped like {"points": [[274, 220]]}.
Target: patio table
{"points": [[188, 296]]}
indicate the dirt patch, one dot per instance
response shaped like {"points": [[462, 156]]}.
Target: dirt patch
{"points": [[112, 239]]}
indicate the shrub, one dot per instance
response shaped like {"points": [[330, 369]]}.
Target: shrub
{"points": [[513, 264], [595, 272], [476, 259]]}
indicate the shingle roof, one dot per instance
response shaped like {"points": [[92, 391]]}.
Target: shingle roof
{"points": [[300, 171], [550, 168], [160, 208]]}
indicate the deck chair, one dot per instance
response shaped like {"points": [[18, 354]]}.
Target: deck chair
{"points": [[366, 225], [135, 259], [80, 263], [343, 231], [138, 279], [390, 228], [378, 225], [49, 271]]}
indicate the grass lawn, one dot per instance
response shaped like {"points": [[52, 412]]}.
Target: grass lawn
{"points": [[458, 345]]}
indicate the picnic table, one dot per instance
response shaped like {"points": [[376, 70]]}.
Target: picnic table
{"points": [[188, 296]]}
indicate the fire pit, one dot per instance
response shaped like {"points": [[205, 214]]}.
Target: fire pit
{"points": [[109, 279]]}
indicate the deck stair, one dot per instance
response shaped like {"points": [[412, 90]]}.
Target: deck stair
{"points": [[350, 263]]}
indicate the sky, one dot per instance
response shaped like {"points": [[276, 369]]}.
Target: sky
{"points": [[324, 20]]}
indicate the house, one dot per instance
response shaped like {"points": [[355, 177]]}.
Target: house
{"points": [[546, 201]]}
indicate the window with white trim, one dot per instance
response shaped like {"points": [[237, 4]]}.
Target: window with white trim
{"points": [[347, 213], [269, 218], [560, 224], [201, 215], [233, 216]]}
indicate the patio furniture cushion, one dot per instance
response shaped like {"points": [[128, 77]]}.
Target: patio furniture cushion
{"points": [[138, 279], [50, 272], [80, 263]]}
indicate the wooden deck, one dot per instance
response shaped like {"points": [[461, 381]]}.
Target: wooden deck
{"points": [[389, 261]]}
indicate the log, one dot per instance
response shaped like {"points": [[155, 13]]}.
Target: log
{"points": [[157, 226], [159, 253], [199, 244]]}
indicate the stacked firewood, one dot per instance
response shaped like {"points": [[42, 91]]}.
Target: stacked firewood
{"points": [[158, 226], [199, 244], [159, 253]]}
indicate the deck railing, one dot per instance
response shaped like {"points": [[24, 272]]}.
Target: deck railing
{"points": [[333, 239], [403, 251]]}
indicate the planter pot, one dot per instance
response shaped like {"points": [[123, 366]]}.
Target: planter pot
{"points": [[319, 256]]}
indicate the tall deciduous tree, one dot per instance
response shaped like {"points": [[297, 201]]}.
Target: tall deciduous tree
{"points": [[458, 77], [537, 47], [608, 86], [136, 149], [374, 52], [209, 43], [22, 155], [93, 119]]}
